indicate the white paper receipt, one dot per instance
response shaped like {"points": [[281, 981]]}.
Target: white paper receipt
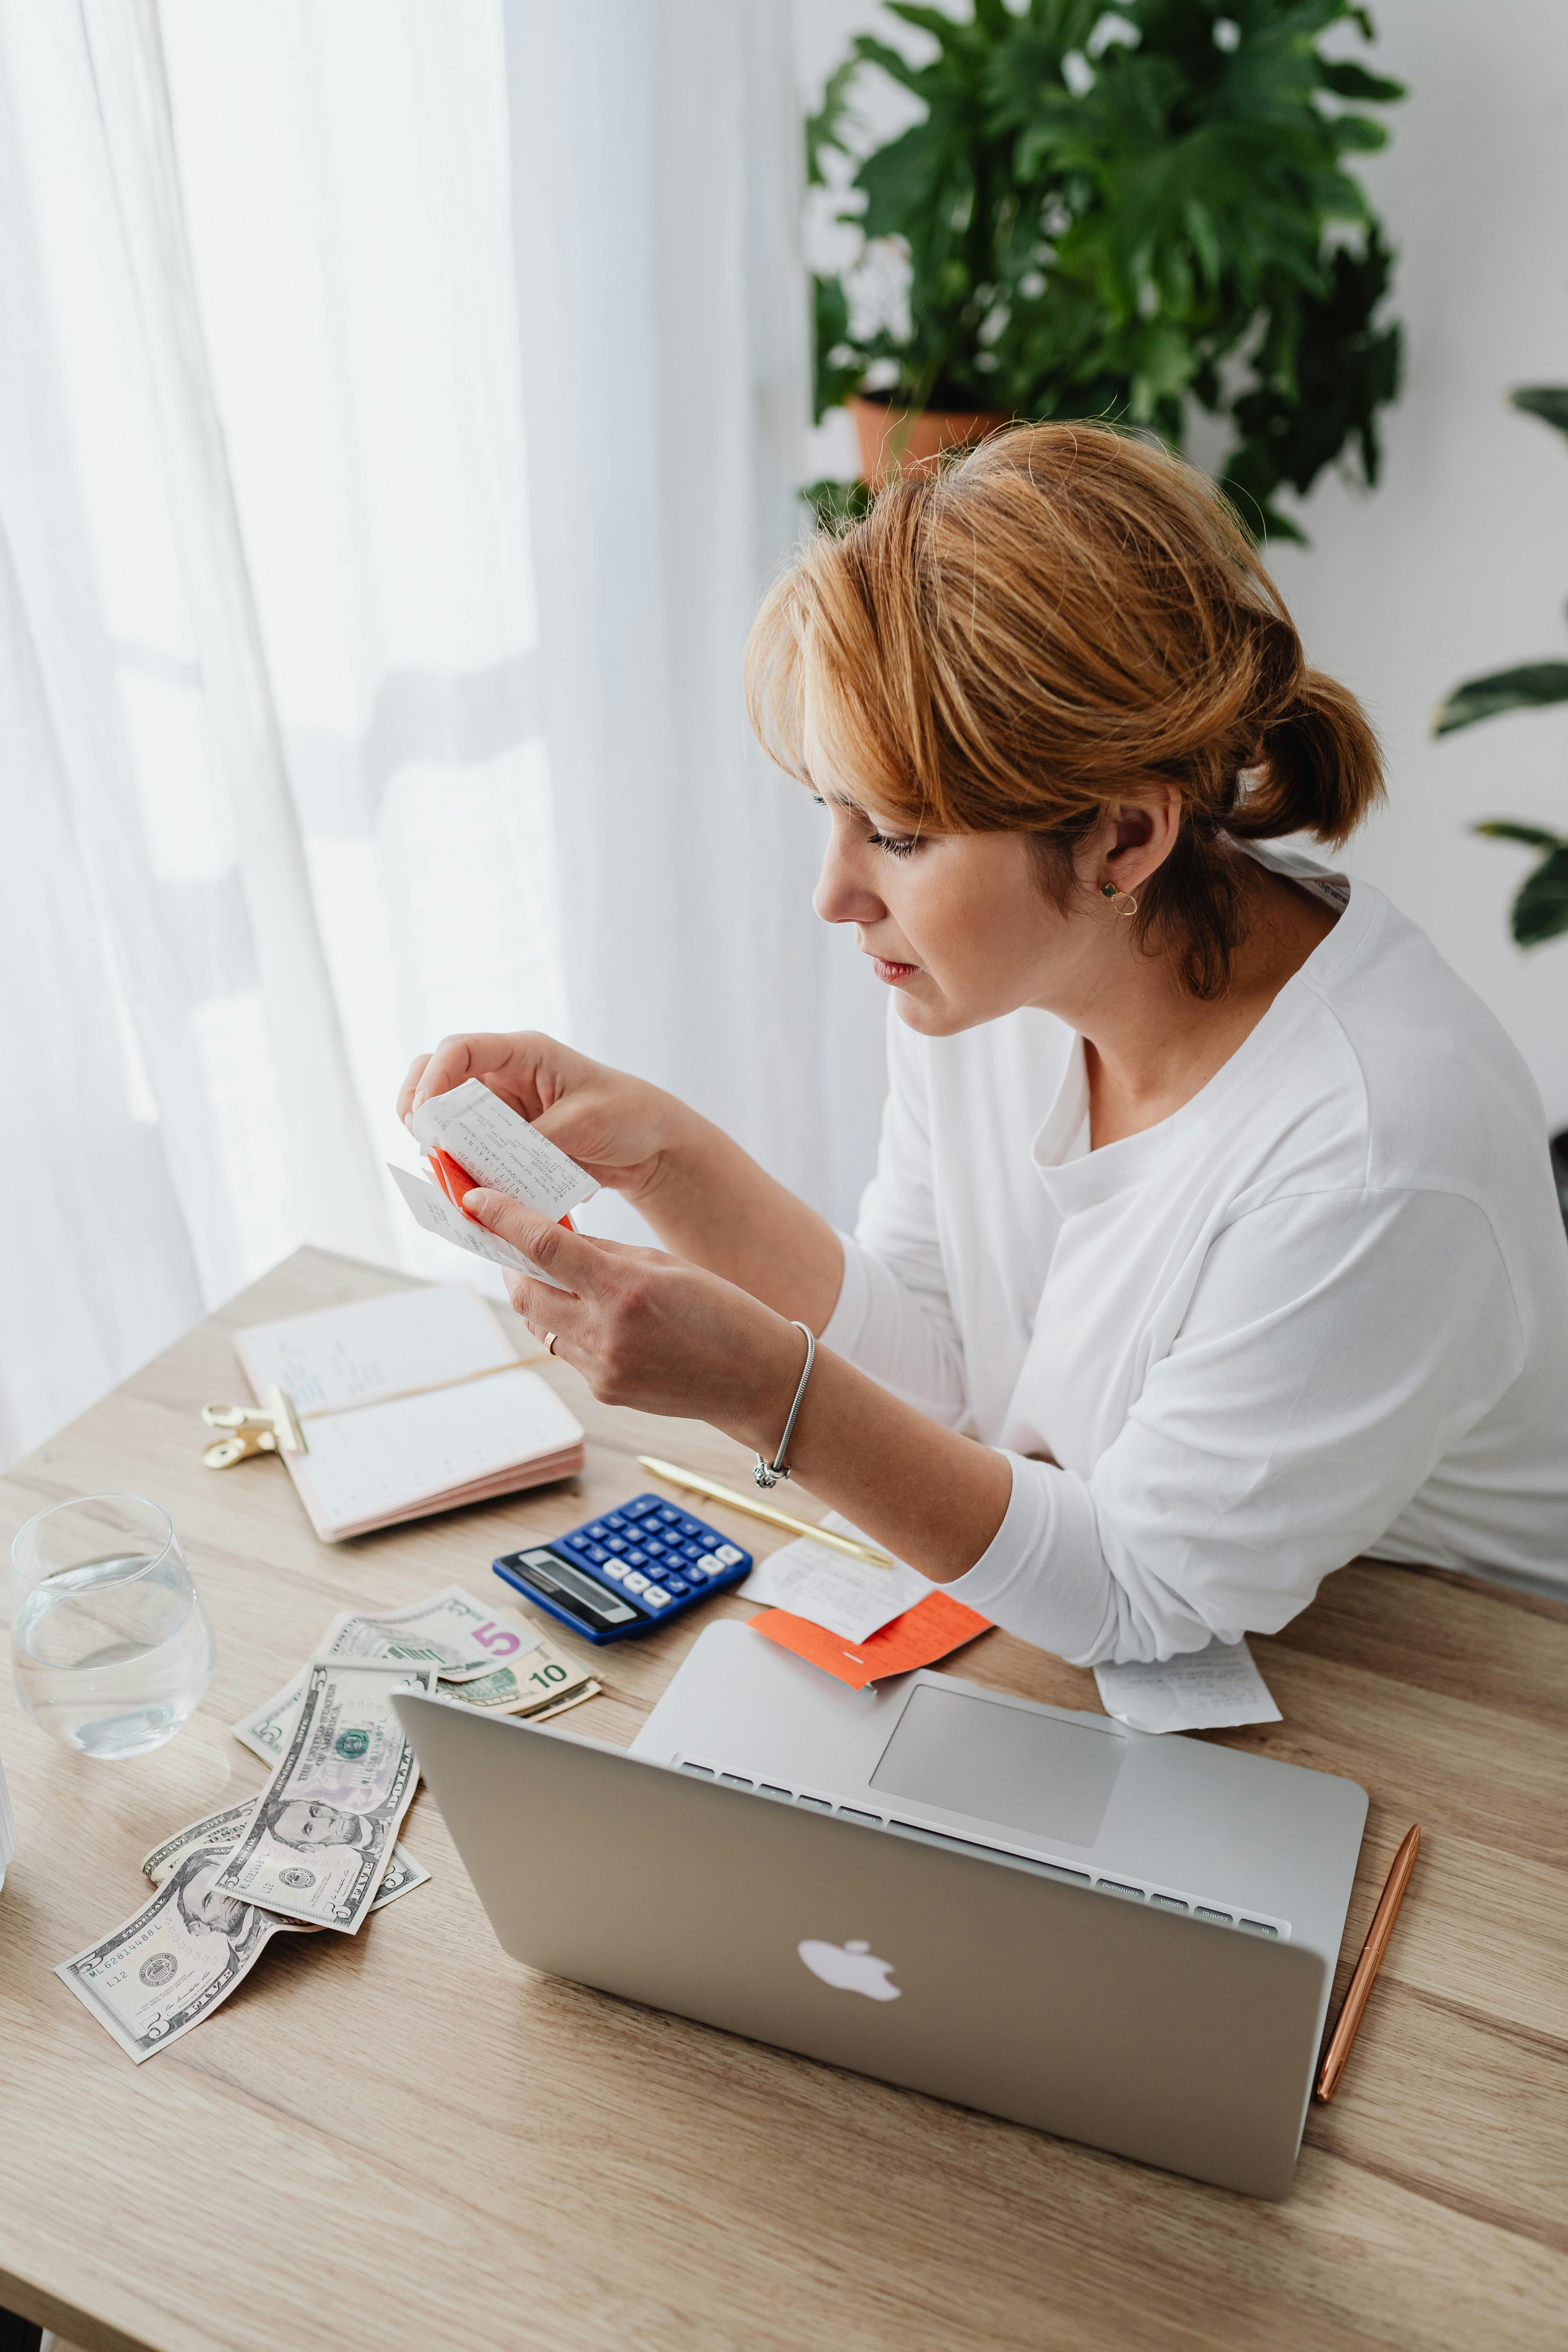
{"points": [[500, 1150], [1201, 1691], [438, 1216], [849, 1596]]}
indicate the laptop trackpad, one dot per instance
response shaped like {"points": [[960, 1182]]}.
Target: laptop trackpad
{"points": [[1000, 1764]]}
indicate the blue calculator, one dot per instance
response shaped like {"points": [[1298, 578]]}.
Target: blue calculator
{"points": [[641, 1565]]}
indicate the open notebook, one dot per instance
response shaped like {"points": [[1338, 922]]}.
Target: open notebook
{"points": [[408, 1404]]}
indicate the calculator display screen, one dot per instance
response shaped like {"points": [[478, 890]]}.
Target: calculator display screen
{"points": [[600, 1604], [582, 1586]]}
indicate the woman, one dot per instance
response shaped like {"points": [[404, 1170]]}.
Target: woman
{"points": [[1209, 1198]]}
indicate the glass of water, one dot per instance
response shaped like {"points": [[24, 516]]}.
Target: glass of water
{"points": [[111, 1648]]}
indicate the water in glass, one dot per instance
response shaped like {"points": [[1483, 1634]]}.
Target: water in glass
{"points": [[111, 1648]]}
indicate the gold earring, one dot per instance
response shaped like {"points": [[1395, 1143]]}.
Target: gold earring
{"points": [[1126, 904]]}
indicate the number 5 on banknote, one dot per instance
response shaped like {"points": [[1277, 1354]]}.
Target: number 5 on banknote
{"points": [[501, 1641]]}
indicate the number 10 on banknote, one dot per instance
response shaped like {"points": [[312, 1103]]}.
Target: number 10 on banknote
{"points": [[324, 1828]]}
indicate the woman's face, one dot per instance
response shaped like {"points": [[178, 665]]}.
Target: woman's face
{"points": [[956, 924]]}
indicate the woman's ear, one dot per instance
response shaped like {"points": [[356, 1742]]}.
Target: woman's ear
{"points": [[1142, 835]]}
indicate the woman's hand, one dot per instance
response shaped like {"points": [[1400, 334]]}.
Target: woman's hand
{"points": [[651, 1331], [704, 1197], [661, 1335], [617, 1128]]}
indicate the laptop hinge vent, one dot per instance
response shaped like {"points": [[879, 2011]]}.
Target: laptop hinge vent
{"points": [[1209, 1909]]}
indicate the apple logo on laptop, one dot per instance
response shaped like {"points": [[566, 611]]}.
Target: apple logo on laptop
{"points": [[849, 1967]]}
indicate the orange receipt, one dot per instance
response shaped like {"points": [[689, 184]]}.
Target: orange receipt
{"points": [[456, 1180], [921, 1635]]}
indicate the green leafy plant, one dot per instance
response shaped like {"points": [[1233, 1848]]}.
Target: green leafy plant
{"points": [[1540, 908], [1118, 215]]}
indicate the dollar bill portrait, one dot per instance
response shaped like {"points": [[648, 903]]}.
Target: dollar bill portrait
{"points": [[203, 1908], [306, 1822]]}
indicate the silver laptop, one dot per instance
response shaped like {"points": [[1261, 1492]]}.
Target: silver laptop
{"points": [[1121, 1939]]}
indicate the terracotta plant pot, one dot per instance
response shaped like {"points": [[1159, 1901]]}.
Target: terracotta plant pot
{"points": [[924, 435]]}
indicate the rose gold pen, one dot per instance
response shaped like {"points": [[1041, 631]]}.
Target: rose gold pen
{"points": [[1366, 1968]]}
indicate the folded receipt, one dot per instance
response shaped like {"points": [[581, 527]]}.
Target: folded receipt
{"points": [[850, 1597], [499, 1150], [1201, 1690]]}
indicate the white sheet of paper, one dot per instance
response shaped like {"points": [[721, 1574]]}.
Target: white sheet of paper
{"points": [[439, 1216], [500, 1148], [1202, 1690], [849, 1596]]}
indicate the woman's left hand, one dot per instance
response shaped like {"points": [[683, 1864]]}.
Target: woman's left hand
{"points": [[649, 1330]]}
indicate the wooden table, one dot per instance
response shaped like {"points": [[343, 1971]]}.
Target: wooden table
{"points": [[409, 2140]]}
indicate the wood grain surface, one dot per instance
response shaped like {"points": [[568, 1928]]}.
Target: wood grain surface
{"points": [[406, 2139]]}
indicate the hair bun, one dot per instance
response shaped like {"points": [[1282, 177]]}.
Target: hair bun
{"points": [[1318, 769]]}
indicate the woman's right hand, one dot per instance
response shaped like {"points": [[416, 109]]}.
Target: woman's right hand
{"points": [[618, 1128]]}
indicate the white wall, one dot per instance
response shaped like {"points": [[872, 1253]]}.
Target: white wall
{"points": [[1459, 562]]}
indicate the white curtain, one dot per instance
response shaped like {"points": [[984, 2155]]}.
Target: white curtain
{"points": [[656, 147], [274, 810], [345, 164], [316, 743]]}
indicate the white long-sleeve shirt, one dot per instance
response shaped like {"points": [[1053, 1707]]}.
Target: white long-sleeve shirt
{"points": [[1321, 1310]]}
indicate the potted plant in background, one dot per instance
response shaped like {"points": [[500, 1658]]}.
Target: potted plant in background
{"points": [[1114, 215], [1541, 908]]}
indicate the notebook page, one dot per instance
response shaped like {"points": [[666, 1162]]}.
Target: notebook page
{"points": [[341, 1355], [383, 1460]]}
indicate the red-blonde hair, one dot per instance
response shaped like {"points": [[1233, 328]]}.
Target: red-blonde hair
{"points": [[1061, 619]]}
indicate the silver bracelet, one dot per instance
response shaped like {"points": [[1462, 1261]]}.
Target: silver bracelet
{"points": [[769, 1474]]}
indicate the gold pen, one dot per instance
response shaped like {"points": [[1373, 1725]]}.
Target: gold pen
{"points": [[677, 1477], [1367, 1967]]}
